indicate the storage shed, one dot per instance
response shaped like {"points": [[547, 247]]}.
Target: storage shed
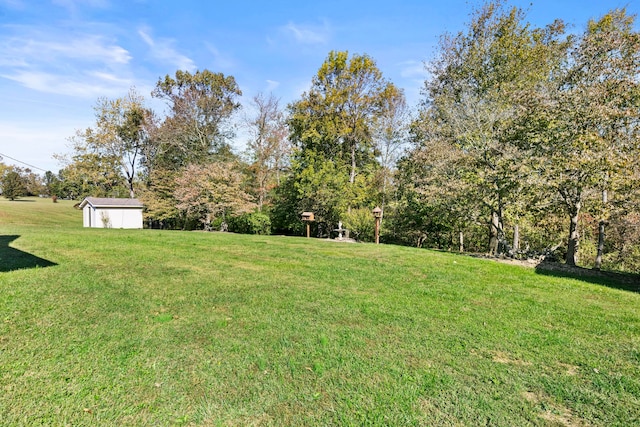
{"points": [[111, 213]]}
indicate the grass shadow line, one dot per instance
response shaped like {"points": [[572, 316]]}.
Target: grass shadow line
{"points": [[14, 259], [611, 279]]}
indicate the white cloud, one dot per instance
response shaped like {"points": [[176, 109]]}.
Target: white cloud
{"points": [[40, 47], [89, 85], [272, 85], [162, 49], [307, 34], [74, 64], [413, 70]]}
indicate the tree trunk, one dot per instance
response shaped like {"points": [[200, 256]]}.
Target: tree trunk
{"points": [[132, 193], [598, 262], [461, 236], [493, 233], [516, 238], [352, 175], [574, 236], [601, 227]]}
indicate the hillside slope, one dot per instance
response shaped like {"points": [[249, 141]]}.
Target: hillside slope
{"points": [[140, 327]]}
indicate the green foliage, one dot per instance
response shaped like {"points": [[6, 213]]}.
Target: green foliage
{"points": [[197, 127], [521, 125], [471, 107], [320, 187], [334, 167], [91, 174], [107, 155], [209, 191], [360, 223], [583, 126], [52, 184], [12, 185], [251, 223]]}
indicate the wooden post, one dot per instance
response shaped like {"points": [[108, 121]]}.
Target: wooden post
{"points": [[308, 217], [377, 213]]}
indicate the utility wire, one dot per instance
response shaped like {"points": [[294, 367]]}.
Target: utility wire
{"points": [[19, 161]]}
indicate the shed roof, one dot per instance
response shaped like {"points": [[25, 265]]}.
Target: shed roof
{"points": [[101, 202]]}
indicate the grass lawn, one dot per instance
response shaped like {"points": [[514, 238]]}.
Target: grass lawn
{"points": [[148, 327]]}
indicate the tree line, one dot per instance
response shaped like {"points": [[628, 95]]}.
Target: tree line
{"points": [[525, 143]]}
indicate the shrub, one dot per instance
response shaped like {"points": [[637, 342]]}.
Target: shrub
{"points": [[361, 224], [251, 223]]}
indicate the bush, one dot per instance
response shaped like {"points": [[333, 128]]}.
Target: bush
{"points": [[251, 223], [361, 224]]}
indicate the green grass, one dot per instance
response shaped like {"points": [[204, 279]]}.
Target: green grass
{"points": [[148, 327]]}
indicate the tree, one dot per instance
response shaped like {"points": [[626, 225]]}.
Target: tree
{"points": [[391, 136], [12, 185], [52, 184], [195, 131], [337, 115], [332, 129], [438, 201], [211, 191], [268, 147], [117, 139], [89, 174], [197, 126], [472, 102], [584, 125]]}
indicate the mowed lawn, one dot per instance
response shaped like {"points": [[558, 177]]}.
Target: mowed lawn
{"points": [[148, 327]]}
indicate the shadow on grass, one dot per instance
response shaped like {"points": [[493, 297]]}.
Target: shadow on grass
{"points": [[624, 281], [611, 279], [14, 259]]}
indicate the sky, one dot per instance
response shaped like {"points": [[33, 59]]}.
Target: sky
{"points": [[58, 57]]}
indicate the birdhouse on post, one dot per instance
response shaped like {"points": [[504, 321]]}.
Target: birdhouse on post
{"points": [[377, 213], [308, 217]]}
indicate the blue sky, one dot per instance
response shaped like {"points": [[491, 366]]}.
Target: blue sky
{"points": [[57, 57]]}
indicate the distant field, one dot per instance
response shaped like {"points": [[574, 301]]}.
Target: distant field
{"points": [[148, 327]]}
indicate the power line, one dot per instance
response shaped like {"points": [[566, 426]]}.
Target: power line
{"points": [[19, 161]]}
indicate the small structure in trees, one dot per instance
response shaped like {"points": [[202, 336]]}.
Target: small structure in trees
{"points": [[377, 214], [111, 213], [308, 217]]}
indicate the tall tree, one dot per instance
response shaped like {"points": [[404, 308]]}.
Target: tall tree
{"points": [[585, 124], [334, 123], [198, 124], [195, 131], [118, 137], [472, 101], [337, 115], [391, 136], [268, 147]]}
